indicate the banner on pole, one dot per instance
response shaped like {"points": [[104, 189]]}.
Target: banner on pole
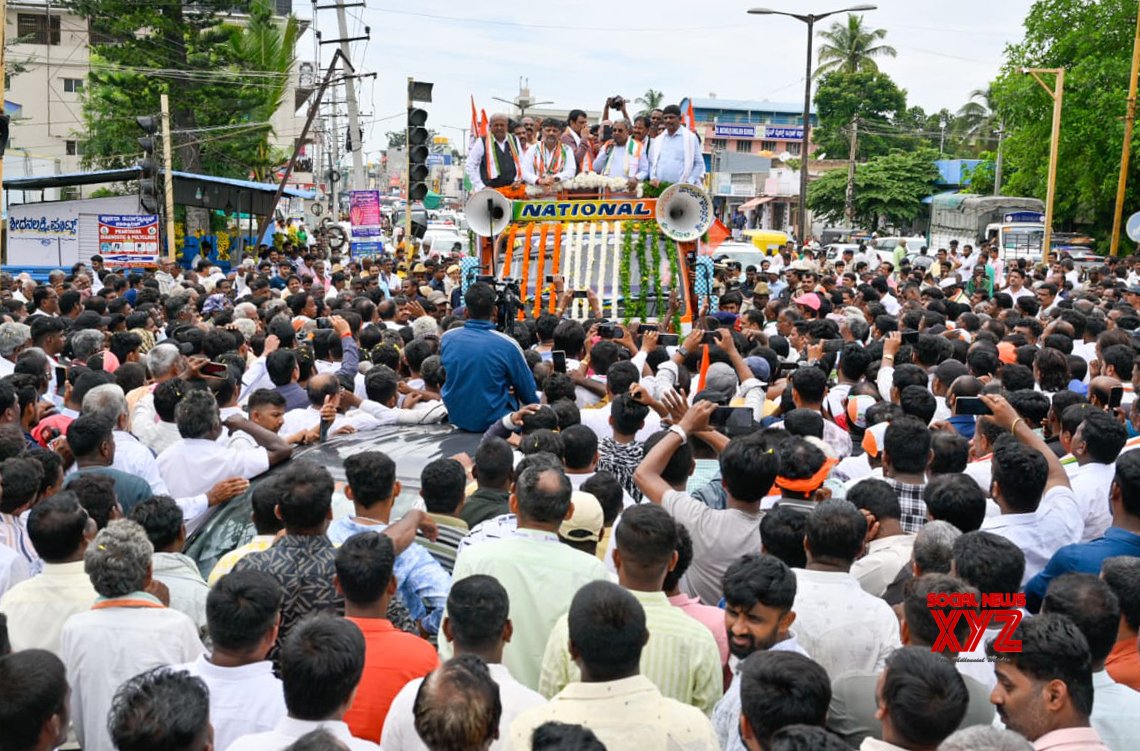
{"points": [[364, 216], [129, 240]]}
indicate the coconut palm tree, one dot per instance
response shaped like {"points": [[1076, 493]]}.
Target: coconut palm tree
{"points": [[649, 101], [977, 117], [852, 47]]}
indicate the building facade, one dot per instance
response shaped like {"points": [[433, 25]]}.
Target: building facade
{"points": [[747, 144], [50, 46]]}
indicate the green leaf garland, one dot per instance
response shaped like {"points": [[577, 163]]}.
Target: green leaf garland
{"points": [[673, 254], [623, 270], [643, 270], [656, 270]]}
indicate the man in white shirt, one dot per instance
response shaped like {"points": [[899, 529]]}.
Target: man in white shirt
{"points": [[1039, 512], [477, 624], [889, 550], [14, 338], [197, 461], [675, 153], [322, 660], [1095, 445], [841, 626], [128, 631], [494, 161], [37, 608], [623, 156], [242, 611], [1017, 288], [550, 161], [132, 457]]}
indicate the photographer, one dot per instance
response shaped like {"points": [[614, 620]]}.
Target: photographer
{"points": [[487, 375]]}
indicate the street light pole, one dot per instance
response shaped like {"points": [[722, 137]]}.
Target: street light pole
{"points": [[809, 20]]}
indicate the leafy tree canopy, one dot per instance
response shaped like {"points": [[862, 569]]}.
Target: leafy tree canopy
{"points": [[1093, 42], [888, 190], [871, 97]]}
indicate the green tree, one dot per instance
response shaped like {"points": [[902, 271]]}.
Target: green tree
{"points": [[851, 47], [649, 101], [224, 80], [871, 98], [1093, 42], [888, 190]]}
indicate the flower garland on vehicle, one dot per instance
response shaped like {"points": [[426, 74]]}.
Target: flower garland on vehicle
{"points": [[672, 253], [624, 268], [587, 181], [643, 270], [655, 240]]}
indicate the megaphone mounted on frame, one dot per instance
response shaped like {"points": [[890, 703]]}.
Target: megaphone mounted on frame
{"points": [[488, 212], [684, 212]]}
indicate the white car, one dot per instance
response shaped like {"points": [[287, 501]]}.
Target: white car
{"points": [[443, 239], [885, 246]]}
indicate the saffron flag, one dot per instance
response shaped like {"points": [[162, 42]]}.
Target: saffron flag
{"points": [[704, 371], [483, 123], [692, 118], [718, 233], [474, 123]]}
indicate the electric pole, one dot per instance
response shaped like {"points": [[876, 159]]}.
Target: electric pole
{"points": [[849, 200], [168, 177], [353, 143]]}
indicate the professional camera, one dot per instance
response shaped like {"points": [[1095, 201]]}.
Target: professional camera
{"points": [[508, 300], [617, 101]]}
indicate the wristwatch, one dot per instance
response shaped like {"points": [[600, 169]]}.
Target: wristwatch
{"points": [[682, 351], [678, 431]]}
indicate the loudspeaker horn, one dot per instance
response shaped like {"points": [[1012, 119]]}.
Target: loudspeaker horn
{"points": [[684, 212], [488, 212]]}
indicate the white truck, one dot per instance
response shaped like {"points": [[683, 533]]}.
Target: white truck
{"points": [[1017, 224]]}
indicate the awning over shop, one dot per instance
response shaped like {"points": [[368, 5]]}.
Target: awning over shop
{"points": [[758, 201]]}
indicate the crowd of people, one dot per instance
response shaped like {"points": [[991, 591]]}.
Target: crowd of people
{"points": [[736, 541]]}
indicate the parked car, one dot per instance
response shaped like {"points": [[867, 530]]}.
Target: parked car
{"points": [[885, 246], [231, 525], [834, 250]]}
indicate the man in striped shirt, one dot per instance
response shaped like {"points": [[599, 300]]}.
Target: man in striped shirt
{"points": [[442, 486]]}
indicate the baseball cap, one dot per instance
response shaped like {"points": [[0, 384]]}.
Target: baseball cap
{"points": [[419, 268], [586, 522], [437, 297], [875, 438], [761, 288], [857, 407], [1007, 353], [761, 369], [808, 299], [721, 378]]}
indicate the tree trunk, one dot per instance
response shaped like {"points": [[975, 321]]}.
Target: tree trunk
{"points": [[849, 202]]}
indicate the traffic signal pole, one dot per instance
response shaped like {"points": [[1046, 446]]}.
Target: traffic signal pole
{"points": [[408, 177], [168, 177]]}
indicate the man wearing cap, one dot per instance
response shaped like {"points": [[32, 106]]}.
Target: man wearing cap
{"points": [[582, 530], [809, 304]]}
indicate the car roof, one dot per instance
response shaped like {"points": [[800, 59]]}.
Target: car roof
{"points": [[411, 448]]}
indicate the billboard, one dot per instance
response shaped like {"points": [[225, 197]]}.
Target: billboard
{"points": [[129, 240], [364, 216]]}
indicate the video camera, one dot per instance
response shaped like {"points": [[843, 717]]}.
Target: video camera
{"points": [[508, 300]]}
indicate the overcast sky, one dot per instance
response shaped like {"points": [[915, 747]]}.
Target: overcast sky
{"points": [[578, 53]]}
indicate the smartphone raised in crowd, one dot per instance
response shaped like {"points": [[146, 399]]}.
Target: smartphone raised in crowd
{"points": [[60, 379], [1115, 396], [610, 331], [214, 370], [971, 405], [558, 358], [910, 337], [645, 328], [668, 340], [710, 337]]}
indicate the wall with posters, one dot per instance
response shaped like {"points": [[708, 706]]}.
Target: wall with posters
{"points": [[60, 233]]}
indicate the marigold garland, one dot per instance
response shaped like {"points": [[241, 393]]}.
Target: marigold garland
{"points": [[525, 277], [541, 270], [508, 256], [556, 262]]}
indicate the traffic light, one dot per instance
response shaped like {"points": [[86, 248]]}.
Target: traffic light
{"points": [[148, 178], [418, 151]]}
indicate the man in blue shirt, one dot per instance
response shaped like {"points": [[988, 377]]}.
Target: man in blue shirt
{"points": [[487, 375], [1122, 538], [675, 154]]}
